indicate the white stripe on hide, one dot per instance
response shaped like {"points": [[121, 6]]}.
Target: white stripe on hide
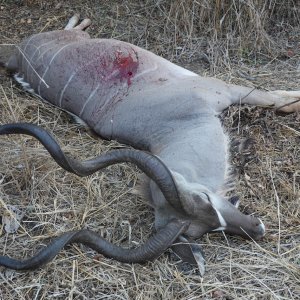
{"points": [[52, 59], [64, 89], [89, 99]]}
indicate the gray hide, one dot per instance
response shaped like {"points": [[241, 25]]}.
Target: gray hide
{"points": [[131, 95]]}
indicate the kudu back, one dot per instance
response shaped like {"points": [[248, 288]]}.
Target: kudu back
{"points": [[133, 96]]}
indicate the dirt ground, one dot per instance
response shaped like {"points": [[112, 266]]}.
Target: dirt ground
{"points": [[53, 201]]}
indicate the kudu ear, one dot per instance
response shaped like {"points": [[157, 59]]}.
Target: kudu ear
{"points": [[235, 201], [194, 200], [190, 252], [199, 206]]}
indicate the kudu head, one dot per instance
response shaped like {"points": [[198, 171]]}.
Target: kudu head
{"points": [[207, 212]]}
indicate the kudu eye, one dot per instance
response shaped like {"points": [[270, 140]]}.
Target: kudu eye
{"points": [[201, 197]]}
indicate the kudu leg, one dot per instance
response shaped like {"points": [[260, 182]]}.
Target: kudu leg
{"points": [[72, 24], [285, 101]]}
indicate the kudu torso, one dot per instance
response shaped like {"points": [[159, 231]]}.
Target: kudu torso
{"points": [[129, 94]]}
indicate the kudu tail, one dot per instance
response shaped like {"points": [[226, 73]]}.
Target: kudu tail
{"points": [[6, 51]]}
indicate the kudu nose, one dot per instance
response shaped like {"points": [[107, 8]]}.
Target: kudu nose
{"points": [[261, 229], [256, 229]]}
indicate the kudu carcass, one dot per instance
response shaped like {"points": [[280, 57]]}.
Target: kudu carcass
{"points": [[131, 95]]}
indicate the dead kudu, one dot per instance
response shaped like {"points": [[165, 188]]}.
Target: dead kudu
{"points": [[171, 114]]}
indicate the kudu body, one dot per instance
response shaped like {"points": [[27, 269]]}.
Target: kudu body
{"points": [[131, 95]]}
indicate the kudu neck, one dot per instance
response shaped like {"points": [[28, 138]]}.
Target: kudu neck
{"points": [[198, 153]]}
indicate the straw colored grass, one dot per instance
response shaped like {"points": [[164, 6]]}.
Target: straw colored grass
{"points": [[254, 43]]}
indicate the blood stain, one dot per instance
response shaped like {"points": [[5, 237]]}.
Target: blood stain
{"points": [[126, 66]]}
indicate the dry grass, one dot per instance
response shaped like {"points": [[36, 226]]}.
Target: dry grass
{"points": [[255, 43]]}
